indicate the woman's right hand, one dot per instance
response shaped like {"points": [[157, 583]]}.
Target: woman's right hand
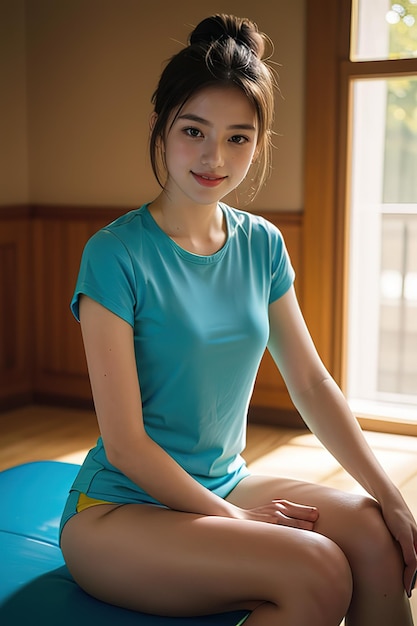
{"points": [[283, 513]]}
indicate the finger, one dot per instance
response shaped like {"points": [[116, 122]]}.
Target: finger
{"points": [[410, 560], [413, 584], [292, 522], [295, 506], [410, 576], [410, 571], [298, 511]]}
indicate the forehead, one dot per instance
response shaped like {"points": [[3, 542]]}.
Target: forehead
{"points": [[221, 104]]}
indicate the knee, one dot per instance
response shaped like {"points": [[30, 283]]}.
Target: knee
{"points": [[372, 539], [327, 581]]}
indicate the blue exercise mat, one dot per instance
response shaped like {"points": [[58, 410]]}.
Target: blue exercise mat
{"points": [[35, 585]]}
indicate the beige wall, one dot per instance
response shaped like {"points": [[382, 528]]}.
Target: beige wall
{"points": [[92, 66], [13, 110]]}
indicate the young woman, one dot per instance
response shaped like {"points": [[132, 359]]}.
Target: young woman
{"points": [[177, 302]]}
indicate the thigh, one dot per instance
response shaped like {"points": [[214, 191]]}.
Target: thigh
{"points": [[162, 561], [353, 521], [334, 505]]}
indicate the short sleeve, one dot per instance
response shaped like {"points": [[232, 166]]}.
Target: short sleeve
{"points": [[283, 273], [106, 275]]}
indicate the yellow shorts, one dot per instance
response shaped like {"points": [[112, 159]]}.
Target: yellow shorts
{"points": [[84, 502]]}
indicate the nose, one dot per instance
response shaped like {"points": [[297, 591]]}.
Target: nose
{"points": [[212, 154]]}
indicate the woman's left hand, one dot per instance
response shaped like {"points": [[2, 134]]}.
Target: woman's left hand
{"points": [[403, 528]]}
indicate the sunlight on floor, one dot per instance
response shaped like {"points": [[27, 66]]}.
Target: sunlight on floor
{"points": [[303, 457], [76, 457]]}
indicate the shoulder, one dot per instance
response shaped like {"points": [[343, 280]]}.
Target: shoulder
{"points": [[124, 228], [251, 225], [107, 271], [118, 237]]}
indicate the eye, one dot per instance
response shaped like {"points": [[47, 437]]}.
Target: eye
{"points": [[191, 131], [239, 139]]}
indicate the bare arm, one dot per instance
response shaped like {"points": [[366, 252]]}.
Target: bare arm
{"points": [[326, 412]]}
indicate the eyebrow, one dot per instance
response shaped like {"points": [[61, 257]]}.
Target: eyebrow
{"points": [[200, 120]]}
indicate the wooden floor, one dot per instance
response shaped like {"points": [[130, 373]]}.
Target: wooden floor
{"points": [[36, 432]]}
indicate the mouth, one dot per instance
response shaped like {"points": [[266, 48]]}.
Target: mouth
{"points": [[207, 180]]}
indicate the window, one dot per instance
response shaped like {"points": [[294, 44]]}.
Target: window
{"points": [[360, 203], [381, 350], [383, 30]]}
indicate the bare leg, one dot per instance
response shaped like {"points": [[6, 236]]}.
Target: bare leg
{"points": [[170, 563], [355, 524]]}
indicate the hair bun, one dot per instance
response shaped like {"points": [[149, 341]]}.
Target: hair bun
{"points": [[220, 27]]}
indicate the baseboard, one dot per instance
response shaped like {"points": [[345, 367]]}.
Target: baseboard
{"points": [[15, 401], [68, 402]]}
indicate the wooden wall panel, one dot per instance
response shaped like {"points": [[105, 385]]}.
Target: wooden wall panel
{"points": [[59, 239], [16, 311], [270, 391]]}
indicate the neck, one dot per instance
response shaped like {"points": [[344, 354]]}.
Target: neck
{"points": [[200, 229], [188, 219]]}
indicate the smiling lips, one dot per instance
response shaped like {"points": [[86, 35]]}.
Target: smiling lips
{"points": [[208, 181]]}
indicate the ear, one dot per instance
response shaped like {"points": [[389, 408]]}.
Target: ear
{"points": [[152, 120]]}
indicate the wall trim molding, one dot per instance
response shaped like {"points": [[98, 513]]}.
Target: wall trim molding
{"points": [[15, 211], [93, 212]]}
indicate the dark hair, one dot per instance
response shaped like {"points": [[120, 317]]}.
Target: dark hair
{"points": [[222, 50]]}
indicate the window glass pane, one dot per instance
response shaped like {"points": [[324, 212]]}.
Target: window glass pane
{"points": [[397, 350], [382, 317], [400, 153], [384, 30]]}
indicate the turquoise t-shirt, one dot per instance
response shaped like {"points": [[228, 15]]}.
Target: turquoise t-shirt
{"points": [[200, 330]]}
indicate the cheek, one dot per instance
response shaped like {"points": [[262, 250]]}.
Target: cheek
{"points": [[179, 152], [244, 172], [245, 160]]}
